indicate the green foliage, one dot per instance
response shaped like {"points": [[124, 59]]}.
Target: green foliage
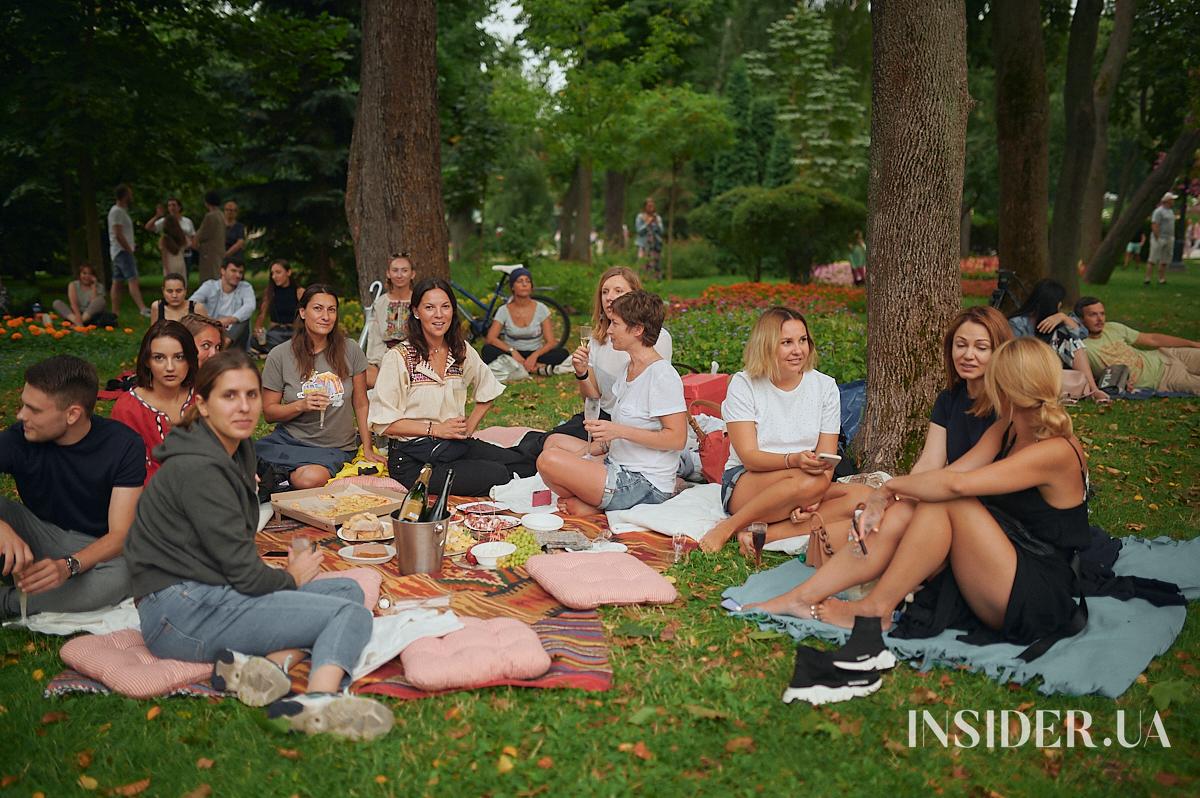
{"points": [[819, 102], [738, 165], [780, 170], [695, 257]]}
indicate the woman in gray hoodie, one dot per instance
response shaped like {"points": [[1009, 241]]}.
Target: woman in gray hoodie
{"points": [[204, 594]]}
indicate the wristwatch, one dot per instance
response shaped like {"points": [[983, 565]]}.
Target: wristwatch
{"points": [[72, 565]]}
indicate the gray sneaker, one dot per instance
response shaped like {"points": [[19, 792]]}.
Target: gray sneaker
{"points": [[256, 680], [349, 716]]}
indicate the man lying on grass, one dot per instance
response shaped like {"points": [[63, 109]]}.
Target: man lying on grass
{"points": [[79, 478]]}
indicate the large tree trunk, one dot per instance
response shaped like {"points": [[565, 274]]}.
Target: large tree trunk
{"points": [[1079, 111], [614, 211], [1022, 137], [1091, 223], [91, 216], [581, 235], [566, 219], [75, 247], [394, 181], [1148, 194], [919, 106]]}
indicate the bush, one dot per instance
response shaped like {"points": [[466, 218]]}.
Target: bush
{"points": [[695, 257]]}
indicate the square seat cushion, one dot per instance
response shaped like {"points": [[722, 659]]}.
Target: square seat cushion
{"points": [[368, 579], [121, 662], [481, 653], [584, 581]]}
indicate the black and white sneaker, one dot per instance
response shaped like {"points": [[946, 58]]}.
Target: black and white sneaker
{"points": [[865, 651], [349, 716], [818, 681]]}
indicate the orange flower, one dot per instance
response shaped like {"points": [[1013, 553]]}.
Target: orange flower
{"points": [[128, 330], [17, 336], [34, 330], [108, 328], [17, 322]]}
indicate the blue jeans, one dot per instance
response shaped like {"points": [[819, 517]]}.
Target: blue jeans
{"points": [[729, 480], [193, 621], [124, 267], [624, 489]]}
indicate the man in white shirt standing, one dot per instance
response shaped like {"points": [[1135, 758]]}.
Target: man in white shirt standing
{"points": [[1162, 239], [230, 300], [121, 248]]}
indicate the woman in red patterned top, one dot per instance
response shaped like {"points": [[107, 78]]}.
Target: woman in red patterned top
{"points": [[166, 368]]}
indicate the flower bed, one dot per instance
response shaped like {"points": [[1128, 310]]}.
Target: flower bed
{"points": [[19, 328]]}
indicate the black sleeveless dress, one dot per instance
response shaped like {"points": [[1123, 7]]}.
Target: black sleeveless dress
{"points": [[1042, 604]]}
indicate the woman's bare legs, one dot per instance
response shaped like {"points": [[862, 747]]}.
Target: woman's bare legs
{"points": [[578, 482], [835, 511], [982, 558], [765, 496], [844, 569]]}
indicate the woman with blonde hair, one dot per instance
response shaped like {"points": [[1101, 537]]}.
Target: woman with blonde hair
{"points": [[782, 414], [1007, 519]]}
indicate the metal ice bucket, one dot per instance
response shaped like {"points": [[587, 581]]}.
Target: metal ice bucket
{"points": [[419, 545]]}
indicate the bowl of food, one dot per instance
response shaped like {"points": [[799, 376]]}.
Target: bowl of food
{"points": [[364, 527], [486, 554]]}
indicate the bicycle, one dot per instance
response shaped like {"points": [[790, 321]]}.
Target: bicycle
{"points": [[480, 319], [1003, 293]]}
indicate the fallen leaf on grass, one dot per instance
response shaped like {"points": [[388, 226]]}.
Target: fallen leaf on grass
{"points": [[642, 715], [38, 675], [381, 779], [53, 717], [634, 629], [896, 747], [698, 711], [504, 764], [88, 783], [153, 713], [1172, 691], [84, 759], [545, 763], [459, 733], [1054, 762], [134, 788], [642, 752], [959, 772], [288, 753], [204, 763], [1167, 779], [508, 749], [740, 744], [8, 781], [1134, 527], [203, 791], [668, 631]]}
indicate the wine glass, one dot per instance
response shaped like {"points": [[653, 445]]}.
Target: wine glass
{"points": [[585, 335], [591, 412], [758, 536], [459, 389]]}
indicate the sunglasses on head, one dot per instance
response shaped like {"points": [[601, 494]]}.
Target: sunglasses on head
{"points": [[401, 254]]}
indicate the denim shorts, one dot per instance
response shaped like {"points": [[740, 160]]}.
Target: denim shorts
{"points": [[728, 479], [124, 267], [624, 489]]}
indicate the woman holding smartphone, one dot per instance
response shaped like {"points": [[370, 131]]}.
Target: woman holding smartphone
{"points": [[204, 594], [996, 532], [782, 416]]}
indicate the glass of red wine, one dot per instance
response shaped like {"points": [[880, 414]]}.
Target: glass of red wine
{"points": [[758, 536]]}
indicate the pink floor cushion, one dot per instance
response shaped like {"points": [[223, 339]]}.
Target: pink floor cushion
{"points": [[506, 437], [375, 482], [480, 653], [122, 663], [584, 581], [368, 579]]}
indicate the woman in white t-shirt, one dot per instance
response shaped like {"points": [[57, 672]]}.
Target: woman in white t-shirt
{"points": [[781, 414], [647, 430]]}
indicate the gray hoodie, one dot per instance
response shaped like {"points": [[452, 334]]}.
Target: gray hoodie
{"points": [[197, 518]]}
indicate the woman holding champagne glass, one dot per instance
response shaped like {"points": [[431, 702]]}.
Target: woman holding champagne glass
{"points": [[419, 401]]}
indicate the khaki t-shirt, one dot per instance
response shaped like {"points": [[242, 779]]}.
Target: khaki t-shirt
{"points": [[281, 373], [1114, 346]]}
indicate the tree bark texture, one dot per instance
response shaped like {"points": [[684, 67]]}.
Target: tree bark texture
{"points": [[615, 183], [1140, 205], [1022, 138], [1091, 210], [581, 235], [1079, 111], [91, 216], [919, 106], [394, 181]]}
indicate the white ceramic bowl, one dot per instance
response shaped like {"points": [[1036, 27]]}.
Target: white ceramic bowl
{"points": [[487, 553]]}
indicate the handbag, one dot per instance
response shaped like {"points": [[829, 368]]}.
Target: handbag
{"points": [[1114, 378], [714, 446], [1074, 385]]}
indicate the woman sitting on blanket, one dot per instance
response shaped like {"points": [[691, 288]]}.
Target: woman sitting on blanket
{"points": [[166, 368], [971, 338], [1041, 316], [640, 445], [1007, 518], [523, 329], [420, 401], [781, 414], [315, 392], [204, 594]]}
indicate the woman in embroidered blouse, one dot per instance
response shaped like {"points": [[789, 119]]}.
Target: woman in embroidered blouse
{"points": [[389, 314], [419, 401], [166, 368], [522, 328]]}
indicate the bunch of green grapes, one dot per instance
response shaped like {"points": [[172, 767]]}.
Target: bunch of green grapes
{"points": [[526, 544]]}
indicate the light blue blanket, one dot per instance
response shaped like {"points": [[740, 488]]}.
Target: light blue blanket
{"points": [[1120, 639]]}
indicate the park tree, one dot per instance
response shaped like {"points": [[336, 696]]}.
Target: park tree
{"points": [[1022, 138], [394, 186], [737, 164], [676, 125], [918, 123]]}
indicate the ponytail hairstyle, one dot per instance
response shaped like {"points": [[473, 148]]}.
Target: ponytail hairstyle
{"points": [[454, 339], [335, 342], [599, 319], [206, 380], [1025, 373]]}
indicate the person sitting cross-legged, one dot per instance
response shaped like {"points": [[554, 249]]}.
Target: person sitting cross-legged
{"points": [[79, 477], [205, 595]]}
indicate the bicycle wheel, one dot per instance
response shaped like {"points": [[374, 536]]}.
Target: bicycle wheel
{"points": [[558, 319]]}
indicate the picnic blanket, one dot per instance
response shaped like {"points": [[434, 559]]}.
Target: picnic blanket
{"points": [[1122, 635], [574, 639]]}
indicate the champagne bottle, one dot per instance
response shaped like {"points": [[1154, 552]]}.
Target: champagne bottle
{"points": [[438, 511], [414, 506]]}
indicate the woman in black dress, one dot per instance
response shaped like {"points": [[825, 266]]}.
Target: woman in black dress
{"points": [[1007, 518]]}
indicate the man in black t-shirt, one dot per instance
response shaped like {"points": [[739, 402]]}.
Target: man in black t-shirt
{"points": [[79, 478]]}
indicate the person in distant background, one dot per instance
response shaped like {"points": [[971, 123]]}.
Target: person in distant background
{"points": [[389, 313], [121, 247], [1133, 250], [1162, 239], [86, 297], [174, 305], [858, 258], [649, 228], [177, 262], [230, 300], [235, 235], [280, 307], [210, 238]]}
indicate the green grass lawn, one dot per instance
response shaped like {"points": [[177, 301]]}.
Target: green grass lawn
{"points": [[695, 705]]}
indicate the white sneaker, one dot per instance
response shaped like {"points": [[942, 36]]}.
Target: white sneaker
{"points": [[256, 680], [350, 716]]}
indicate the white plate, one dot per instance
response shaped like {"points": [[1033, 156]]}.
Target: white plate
{"points": [[480, 523], [386, 535], [479, 508], [347, 554], [541, 522]]}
